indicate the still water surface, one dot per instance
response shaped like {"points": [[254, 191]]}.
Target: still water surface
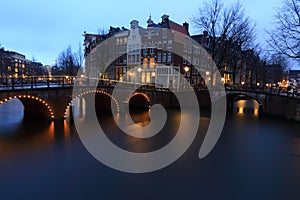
{"points": [[253, 159]]}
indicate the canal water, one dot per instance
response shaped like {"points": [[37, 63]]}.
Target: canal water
{"points": [[255, 158]]}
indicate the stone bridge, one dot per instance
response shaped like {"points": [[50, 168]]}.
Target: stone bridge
{"points": [[269, 103], [53, 102]]}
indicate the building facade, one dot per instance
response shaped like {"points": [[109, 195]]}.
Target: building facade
{"points": [[13, 64], [157, 54]]}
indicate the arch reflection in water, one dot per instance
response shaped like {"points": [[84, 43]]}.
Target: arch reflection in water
{"points": [[77, 109], [246, 107], [11, 112]]}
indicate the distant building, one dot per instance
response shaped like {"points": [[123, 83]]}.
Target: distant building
{"points": [[13, 64], [294, 75]]}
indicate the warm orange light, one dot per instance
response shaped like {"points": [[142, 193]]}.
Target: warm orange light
{"points": [[241, 110]]}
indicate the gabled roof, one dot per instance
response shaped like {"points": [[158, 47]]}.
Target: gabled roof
{"points": [[179, 28]]}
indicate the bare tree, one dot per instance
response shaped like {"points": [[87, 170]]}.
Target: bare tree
{"points": [[67, 62], [79, 57], [226, 26], [285, 37], [229, 30]]}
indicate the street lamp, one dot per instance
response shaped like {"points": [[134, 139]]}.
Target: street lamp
{"points": [[223, 80], [186, 69]]}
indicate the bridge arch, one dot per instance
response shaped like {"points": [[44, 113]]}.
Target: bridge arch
{"points": [[89, 92], [139, 100], [33, 105], [235, 97]]}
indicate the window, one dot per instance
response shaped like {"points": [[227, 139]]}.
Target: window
{"points": [[149, 34], [159, 45], [189, 59], [189, 49], [164, 58], [159, 57], [152, 63], [145, 61], [165, 45], [145, 49], [165, 34], [125, 40], [170, 44], [151, 51], [185, 47], [169, 57]]}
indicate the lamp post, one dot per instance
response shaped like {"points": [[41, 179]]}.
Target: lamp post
{"points": [[207, 77], [243, 84], [186, 70]]}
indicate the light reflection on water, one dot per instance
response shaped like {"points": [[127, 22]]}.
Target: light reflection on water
{"points": [[254, 159], [243, 107]]}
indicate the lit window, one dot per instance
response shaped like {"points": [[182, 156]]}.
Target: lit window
{"points": [[9, 68], [125, 40], [145, 61], [152, 63]]}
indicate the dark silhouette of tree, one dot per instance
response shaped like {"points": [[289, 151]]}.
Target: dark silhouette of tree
{"points": [[227, 27], [229, 30], [285, 37], [69, 62]]}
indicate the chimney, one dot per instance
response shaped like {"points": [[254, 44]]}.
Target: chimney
{"points": [[134, 24], [186, 26], [165, 17]]}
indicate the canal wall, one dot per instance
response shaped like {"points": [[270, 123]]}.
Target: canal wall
{"points": [[282, 106]]}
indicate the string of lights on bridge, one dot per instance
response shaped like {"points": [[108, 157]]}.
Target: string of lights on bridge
{"points": [[50, 110]]}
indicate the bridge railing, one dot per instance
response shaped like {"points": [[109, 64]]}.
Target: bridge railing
{"points": [[29, 82], [266, 90], [11, 83]]}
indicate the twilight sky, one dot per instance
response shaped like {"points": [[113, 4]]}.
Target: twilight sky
{"points": [[43, 28]]}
